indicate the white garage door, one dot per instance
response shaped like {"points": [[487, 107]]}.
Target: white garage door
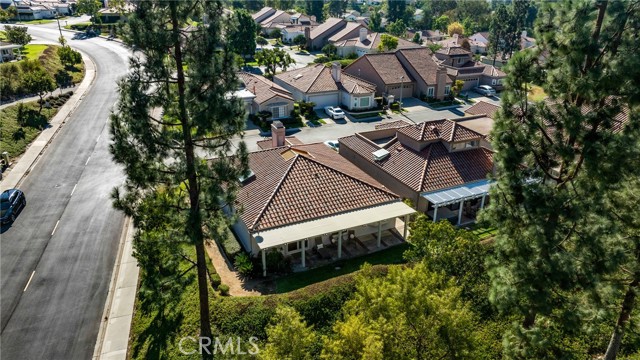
{"points": [[324, 100]]}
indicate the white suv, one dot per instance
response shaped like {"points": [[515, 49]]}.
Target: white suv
{"points": [[334, 112]]}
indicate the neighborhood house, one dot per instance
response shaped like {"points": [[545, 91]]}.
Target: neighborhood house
{"points": [[439, 165], [308, 203], [261, 94]]}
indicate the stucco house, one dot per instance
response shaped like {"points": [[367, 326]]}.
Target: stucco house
{"points": [[270, 19], [367, 43], [461, 66], [261, 94], [8, 51], [328, 86], [403, 73], [440, 165], [28, 12], [308, 203], [331, 31]]}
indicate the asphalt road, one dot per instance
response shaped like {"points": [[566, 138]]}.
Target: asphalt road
{"points": [[57, 258]]}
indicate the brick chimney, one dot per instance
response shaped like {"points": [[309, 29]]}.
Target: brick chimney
{"points": [[363, 34], [277, 134], [336, 71], [307, 34]]}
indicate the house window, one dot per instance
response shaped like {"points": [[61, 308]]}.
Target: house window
{"points": [[294, 246], [279, 111], [364, 101], [447, 89], [459, 61], [430, 91], [471, 144], [493, 81]]}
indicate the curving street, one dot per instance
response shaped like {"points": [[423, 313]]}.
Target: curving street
{"points": [[58, 256]]}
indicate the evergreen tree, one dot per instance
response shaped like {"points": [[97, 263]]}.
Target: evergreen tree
{"points": [[272, 59], [396, 10], [289, 337], [498, 31], [17, 35], [375, 21], [558, 162], [397, 28], [180, 158], [242, 32], [315, 8], [335, 8]]}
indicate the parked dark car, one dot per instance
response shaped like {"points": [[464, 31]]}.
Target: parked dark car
{"points": [[12, 201]]}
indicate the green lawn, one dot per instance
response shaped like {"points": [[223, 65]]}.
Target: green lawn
{"points": [[366, 116], [3, 36], [36, 22], [299, 280], [15, 138], [483, 232], [33, 51]]}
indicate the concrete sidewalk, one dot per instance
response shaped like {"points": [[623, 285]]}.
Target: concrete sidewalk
{"points": [[113, 336], [14, 176]]}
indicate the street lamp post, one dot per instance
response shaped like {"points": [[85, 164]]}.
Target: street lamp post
{"points": [[401, 86]]}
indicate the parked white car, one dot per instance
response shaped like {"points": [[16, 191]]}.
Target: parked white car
{"points": [[485, 90], [334, 144], [334, 112]]}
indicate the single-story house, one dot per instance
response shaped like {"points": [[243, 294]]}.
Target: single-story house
{"points": [[326, 86], [290, 32], [367, 43], [351, 15], [481, 37], [261, 94], [270, 19], [27, 12], [7, 51], [403, 73], [307, 201], [440, 165]]}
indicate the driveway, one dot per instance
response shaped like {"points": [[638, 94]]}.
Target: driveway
{"points": [[302, 59], [479, 97]]}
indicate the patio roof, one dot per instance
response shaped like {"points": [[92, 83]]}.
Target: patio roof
{"points": [[458, 193], [330, 224]]}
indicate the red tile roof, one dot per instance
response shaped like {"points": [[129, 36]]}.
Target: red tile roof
{"points": [[483, 107], [263, 88], [444, 130], [267, 143], [433, 168], [304, 182]]}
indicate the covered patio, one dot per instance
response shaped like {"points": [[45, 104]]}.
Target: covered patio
{"points": [[459, 204], [331, 238]]}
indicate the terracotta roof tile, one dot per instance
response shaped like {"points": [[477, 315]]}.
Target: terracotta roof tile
{"points": [[305, 182], [483, 107], [431, 169], [263, 88], [445, 130]]}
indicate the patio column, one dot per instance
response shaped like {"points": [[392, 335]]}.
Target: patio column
{"points": [[264, 262], [379, 232], [406, 223], [304, 253], [435, 213], [340, 244], [482, 201], [460, 212]]}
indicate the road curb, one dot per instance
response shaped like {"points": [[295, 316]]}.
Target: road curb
{"points": [[113, 334], [35, 150]]}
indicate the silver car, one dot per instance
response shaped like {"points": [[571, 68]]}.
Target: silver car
{"points": [[485, 90]]}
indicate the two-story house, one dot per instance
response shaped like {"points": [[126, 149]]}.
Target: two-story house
{"points": [[461, 66], [403, 73]]}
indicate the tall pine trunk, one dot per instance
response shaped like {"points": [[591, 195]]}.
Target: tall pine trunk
{"points": [[194, 224], [628, 305]]}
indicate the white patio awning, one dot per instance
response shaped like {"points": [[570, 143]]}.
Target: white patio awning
{"points": [[348, 220], [463, 192]]}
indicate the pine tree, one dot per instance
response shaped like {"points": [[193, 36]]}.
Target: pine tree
{"points": [[181, 156], [315, 8], [242, 32], [557, 163], [396, 10]]}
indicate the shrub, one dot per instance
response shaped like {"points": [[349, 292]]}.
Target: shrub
{"points": [[352, 56], [321, 59], [395, 106], [215, 280], [224, 289], [243, 264], [277, 263]]}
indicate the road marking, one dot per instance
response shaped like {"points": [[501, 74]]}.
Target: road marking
{"points": [[29, 282], [74, 189], [85, 164], [54, 229], [98, 139]]}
